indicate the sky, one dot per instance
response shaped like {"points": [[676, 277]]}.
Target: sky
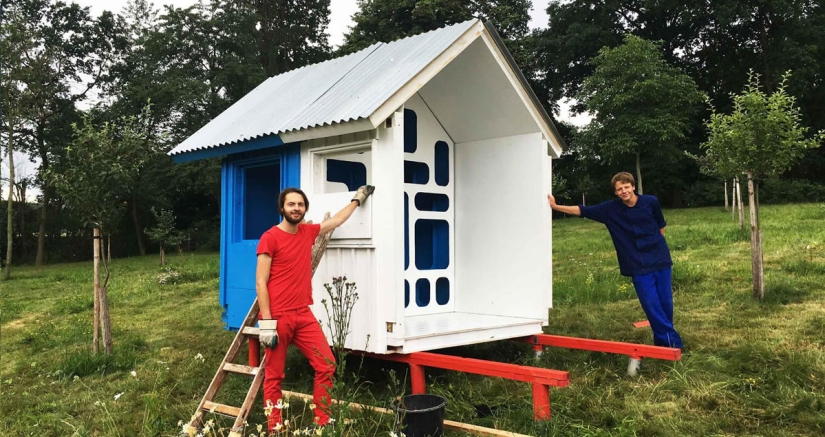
{"points": [[341, 12]]}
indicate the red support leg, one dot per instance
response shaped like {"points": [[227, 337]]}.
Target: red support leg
{"points": [[419, 385], [254, 353], [541, 402]]}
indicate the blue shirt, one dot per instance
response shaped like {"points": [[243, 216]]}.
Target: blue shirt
{"points": [[640, 245]]}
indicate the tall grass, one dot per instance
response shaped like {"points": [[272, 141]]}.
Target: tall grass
{"points": [[750, 368]]}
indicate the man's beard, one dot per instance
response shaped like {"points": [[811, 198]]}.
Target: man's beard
{"points": [[294, 221]]}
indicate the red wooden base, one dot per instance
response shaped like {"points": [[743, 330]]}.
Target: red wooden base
{"points": [[254, 352], [633, 350], [540, 378]]}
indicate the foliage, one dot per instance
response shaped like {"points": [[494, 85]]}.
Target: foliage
{"points": [[102, 164], [389, 20], [164, 232], [640, 104], [763, 135]]}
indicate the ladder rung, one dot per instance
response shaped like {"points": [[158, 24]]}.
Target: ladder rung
{"points": [[240, 368], [251, 330], [226, 410]]}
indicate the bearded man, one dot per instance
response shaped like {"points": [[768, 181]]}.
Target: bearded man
{"points": [[283, 283]]}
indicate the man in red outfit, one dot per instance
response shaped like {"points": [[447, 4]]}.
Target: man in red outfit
{"points": [[283, 282]]}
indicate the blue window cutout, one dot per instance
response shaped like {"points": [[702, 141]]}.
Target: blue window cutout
{"points": [[410, 131], [406, 293], [422, 292], [261, 186], [352, 174], [416, 173], [442, 163], [406, 231], [432, 202], [442, 291], [432, 244]]}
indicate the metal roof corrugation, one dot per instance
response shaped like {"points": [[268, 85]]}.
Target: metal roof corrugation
{"points": [[339, 90]]}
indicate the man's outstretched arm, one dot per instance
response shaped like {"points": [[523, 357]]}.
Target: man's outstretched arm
{"points": [[572, 210], [341, 216]]}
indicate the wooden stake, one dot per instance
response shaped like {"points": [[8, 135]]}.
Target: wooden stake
{"points": [[726, 194], [96, 329], [757, 267]]}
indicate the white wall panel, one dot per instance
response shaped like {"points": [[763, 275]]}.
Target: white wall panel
{"points": [[503, 227], [358, 265], [429, 132]]}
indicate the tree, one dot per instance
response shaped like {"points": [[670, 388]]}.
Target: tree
{"points": [[291, 33], [713, 42], [15, 41], [66, 52], [102, 164], [389, 20], [761, 138], [164, 232], [641, 104]]}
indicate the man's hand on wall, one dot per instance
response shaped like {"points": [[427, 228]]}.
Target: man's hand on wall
{"points": [[363, 192]]}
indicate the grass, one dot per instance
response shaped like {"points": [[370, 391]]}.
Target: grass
{"points": [[750, 368]]}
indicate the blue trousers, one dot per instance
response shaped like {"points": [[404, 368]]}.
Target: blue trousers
{"points": [[656, 296]]}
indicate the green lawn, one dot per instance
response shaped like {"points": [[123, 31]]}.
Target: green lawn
{"points": [[750, 368]]}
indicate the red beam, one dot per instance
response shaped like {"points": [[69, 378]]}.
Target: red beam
{"points": [[536, 375], [614, 347]]}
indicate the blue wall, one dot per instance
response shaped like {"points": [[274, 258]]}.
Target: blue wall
{"points": [[250, 183]]}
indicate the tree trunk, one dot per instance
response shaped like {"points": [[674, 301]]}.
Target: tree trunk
{"points": [[584, 201], [639, 188], [109, 249], [10, 204], [757, 266], [22, 213], [96, 330], [726, 195], [162, 255], [138, 225], [741, 204], [44, 216], [105, 321]]}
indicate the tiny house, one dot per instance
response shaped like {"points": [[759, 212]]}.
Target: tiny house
{"points": [[454, 246]]}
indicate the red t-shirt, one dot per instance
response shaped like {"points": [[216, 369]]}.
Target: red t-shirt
{"points": [[290, 277]]}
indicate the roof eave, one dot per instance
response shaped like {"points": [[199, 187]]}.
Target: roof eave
{"points": [[555, 140]]}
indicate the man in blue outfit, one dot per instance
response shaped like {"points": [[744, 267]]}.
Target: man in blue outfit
{"points": [[637, 227]]}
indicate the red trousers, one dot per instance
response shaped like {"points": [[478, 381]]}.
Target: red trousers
{"points": [[301, 328]]}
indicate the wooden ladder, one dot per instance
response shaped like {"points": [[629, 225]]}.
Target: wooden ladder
{"points": [[249, 332]]}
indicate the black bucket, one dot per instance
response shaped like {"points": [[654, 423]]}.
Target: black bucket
{"points": [[421, 415]]}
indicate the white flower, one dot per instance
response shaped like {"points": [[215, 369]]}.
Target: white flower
{"points": [[199, 357], [133, 373], [117, 396]]}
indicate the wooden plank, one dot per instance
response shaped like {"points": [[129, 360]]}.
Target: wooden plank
{"points": [[241, 369], [614, 347], [536, 375], [251, 331], [226, 410], [448, 424]]}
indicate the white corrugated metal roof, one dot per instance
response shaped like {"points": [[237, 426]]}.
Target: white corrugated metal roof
{"points": [[348, 88]]}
